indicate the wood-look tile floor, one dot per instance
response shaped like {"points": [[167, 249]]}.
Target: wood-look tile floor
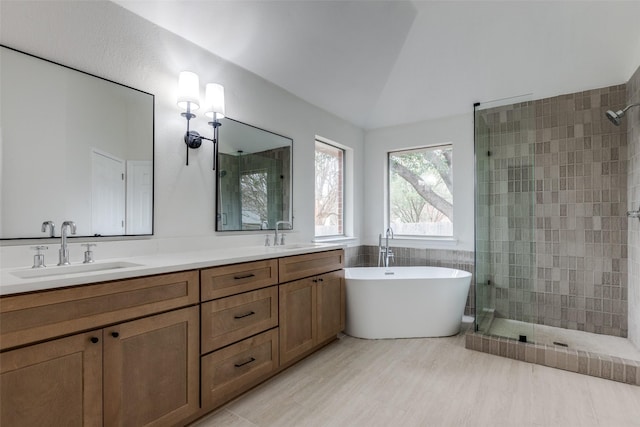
{"points": [[427, 382]]}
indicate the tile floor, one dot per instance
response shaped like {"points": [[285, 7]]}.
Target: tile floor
{"points": [[427, 382]]}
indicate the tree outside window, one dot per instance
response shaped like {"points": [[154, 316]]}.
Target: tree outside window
{"points": [[421, 191], [329, 190]]}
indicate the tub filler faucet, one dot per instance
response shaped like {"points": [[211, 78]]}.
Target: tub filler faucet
{"points": [[384, 252], [63, 253]]}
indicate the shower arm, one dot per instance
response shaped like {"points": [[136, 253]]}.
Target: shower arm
{"points": [[629, 106]]}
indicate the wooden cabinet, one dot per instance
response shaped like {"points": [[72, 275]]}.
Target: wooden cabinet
{"points": [[330, 309], [55, 383], [311, 312], [139, 373], [134, 372], [297, 318], [242, 328], [151, 374], [162, 350]]}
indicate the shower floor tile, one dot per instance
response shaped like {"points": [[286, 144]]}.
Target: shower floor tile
{"points": [[576, 340]]}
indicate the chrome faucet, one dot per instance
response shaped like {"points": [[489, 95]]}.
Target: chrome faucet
{"points": [[63, 253], [384, 252], [51, 226], [275, 241]]}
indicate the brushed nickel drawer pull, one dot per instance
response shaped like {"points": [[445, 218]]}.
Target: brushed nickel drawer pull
{"points": [[246, 276], [238, 365], [251, 313]]}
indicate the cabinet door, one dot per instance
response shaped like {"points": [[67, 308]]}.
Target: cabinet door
{"points": [[297, 319], [55, 383], [331, 304], [151, 369]]}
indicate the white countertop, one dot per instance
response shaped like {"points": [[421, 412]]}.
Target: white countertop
{"points": [[118, 268]]}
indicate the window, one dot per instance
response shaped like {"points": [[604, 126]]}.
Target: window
{"points": [[329, 200], [420, 191], [253, 199]]}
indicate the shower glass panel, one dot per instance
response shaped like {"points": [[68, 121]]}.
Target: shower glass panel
{"points": [[505, 218]]}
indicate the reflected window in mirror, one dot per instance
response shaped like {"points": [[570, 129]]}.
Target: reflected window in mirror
{"points": [[254, 178], [75, 147]]}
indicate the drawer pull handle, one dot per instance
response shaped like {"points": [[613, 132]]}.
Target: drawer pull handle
{"points": [[95, 340], [251, 313], [245, 276], [238, 365]]}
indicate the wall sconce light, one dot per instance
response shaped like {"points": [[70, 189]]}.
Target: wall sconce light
{"points": [[189, 100]]}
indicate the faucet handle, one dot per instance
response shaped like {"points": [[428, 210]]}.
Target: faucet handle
{"points": [[38, 258], [88, 254], [267, 240], [282, 239]]}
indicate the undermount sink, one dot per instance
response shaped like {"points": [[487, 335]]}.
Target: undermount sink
{"points": [[296, 246], [72, 269]]}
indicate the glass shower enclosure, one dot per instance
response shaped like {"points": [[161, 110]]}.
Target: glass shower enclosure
{"points": [[505, 248]]}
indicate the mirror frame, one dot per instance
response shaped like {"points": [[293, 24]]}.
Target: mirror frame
{"points": [[153, 153], [217, 182]]}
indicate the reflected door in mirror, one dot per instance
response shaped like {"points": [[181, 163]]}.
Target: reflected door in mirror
{"points": [[54, 120]]}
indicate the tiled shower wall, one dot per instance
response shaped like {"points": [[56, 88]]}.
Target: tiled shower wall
{"points": [[581, 229], [579, 193], [367, 256], [633, 182]]}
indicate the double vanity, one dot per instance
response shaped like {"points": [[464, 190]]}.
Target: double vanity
{"points": [[160, 340]]}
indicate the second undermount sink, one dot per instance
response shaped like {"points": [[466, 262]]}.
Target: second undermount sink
{"points": [[72, 269], [296, 246]]}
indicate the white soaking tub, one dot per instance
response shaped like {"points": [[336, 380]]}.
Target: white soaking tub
{"points": [[405, 302]]}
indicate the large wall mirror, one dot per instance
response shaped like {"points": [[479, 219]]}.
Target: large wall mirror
{"points": [[74, 147], [254, 178]]}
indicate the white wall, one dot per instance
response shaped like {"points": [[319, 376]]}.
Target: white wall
{"points": [[101, 38], [457, 130]]}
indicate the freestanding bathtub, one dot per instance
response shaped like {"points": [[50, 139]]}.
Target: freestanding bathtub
{"points": [[405, 302]]}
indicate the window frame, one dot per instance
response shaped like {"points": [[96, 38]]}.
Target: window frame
{"points": [[344, 151], [387, 197]]}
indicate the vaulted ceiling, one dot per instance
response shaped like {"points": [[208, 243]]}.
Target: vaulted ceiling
{"points": [[383, 63]]}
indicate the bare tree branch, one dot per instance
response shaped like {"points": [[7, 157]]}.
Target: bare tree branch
{"points": [[424, 190]]}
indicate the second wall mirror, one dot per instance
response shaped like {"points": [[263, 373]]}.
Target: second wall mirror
{"points": [[254, 185]]}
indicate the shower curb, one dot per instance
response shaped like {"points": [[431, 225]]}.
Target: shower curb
{"points": [[578, 361]]}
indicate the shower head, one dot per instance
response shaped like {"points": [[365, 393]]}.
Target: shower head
{"points": [[616, 118]]}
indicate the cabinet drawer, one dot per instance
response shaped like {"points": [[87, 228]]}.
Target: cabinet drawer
{"points": [[299, 266], [231, 319], [228, 372], [218, 282], [37, 316]]}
